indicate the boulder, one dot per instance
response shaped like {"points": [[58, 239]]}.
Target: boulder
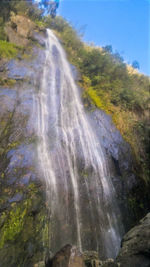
{"points": [[68, 256], [91, 259], [135, 251]]}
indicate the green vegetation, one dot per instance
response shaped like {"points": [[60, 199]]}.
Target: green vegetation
{"points": [[13, 226], [27, 8], [23, 227], [7, 82], [8, 50]]}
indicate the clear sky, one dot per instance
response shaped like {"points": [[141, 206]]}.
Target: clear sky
{"points": [[124, 24]]}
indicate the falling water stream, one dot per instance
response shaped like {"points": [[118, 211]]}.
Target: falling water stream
{"points": [[80, 195]]}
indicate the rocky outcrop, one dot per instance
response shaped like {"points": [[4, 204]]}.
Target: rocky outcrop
{"points": [[135, 251], [23, 215], [91, 259], [120, 161], [68, 256], [19, 30]]}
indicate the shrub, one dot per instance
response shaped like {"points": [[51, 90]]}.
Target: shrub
{"points": [[8, 50]]}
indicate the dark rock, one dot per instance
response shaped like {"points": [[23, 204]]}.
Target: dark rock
{"points": [[39, 264], [16, 198], [39, 38], [119, 157], [135, 251], [23, 214], [25, 179], [91, 259], [68, 256], [18, 70], [108, 263]]}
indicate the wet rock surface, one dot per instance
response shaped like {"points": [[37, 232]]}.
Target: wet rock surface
{"points": [[120, 161], [23, 213], [68, 256], [135, 251]]}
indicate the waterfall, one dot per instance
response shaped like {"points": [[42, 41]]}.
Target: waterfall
{"points": [[80, 195]]}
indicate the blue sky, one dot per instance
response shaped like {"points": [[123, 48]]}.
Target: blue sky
{"points": [[124, 24]]}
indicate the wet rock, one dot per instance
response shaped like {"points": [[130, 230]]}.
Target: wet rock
{"points": [[18, 70], [16, 198], [120, 161], [108, 263], [3, 65], [39, 264], [91, 259], [7, 100], [23, 215], [22, 157], [39, 38], [68, 256], [135, 251], [25, 179]]}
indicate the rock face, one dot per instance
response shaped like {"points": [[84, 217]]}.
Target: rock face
{"points": [[68, 256], [23, 219], [91, 259], [135, 251], [19, 29], [120, 161]]}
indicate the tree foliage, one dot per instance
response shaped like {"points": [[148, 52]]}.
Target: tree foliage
{"points": [[25, 7], [135, 64]]}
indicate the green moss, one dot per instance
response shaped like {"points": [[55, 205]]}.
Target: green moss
{"points": [[8, 50], [24, 230], [13, 145], [13, 226], [2, 175], [100, 101], [40, 23], [7, 82]]}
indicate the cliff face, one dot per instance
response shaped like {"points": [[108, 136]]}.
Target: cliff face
{"points": [[24, 222], [119, 159]]}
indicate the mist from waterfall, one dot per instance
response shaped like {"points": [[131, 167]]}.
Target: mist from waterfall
{"points": [[80, 195]]}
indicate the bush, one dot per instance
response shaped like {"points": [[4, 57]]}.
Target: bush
{"points": [[8, 50]]}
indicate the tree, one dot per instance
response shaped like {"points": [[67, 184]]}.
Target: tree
{"points": [[135, 64], [108, 48]]}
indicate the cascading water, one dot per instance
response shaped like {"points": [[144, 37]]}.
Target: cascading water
{"points": [[80, 194]]}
